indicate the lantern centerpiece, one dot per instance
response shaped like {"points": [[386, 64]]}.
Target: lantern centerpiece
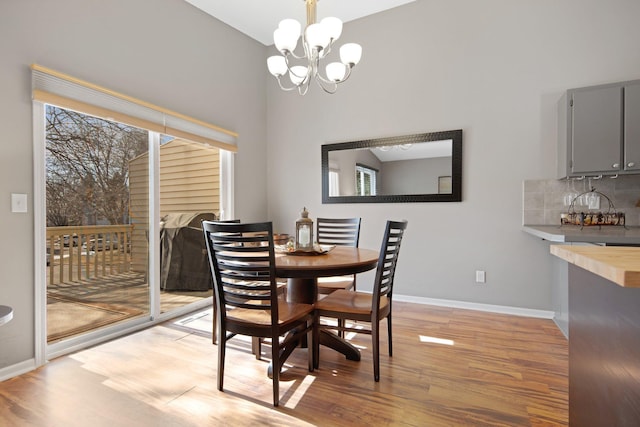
{"points": [[304, 232]]}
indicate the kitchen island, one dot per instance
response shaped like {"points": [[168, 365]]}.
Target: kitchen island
{"points": [[604, 331]]}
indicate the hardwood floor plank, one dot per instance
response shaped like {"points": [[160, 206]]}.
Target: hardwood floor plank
{"points": [[451, 367]]}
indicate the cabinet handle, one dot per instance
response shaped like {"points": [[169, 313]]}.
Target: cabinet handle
{"points": [[630, 164], [616, 165]]}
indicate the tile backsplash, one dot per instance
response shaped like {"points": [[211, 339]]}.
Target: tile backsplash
{"points": [[544, 200]]}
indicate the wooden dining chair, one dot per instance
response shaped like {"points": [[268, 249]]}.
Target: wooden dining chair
{"points": [[339, 232], [242, 261], [214, 334], [282, 290], [346, 305]]}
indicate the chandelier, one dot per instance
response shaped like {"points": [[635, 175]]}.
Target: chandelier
{"points": [[403, 147], [317, 41]]}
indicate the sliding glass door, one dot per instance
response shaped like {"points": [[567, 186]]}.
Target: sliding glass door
{"points": [[97, 270], [188, 193], [102, 182]]}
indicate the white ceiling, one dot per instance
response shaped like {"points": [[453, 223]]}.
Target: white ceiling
{"points": [[259, 18]]}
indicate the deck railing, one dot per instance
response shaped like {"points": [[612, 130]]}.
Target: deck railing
{"points": [[77, 253]]}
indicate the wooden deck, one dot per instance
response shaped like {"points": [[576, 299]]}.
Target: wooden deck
{"points": [[83, 305]]}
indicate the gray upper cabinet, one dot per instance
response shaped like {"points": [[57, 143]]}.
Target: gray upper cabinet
{"points": [[599, 130], [632, 127], [597, 133]]}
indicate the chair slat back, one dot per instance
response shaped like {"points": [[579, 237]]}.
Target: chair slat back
{"points": [[338, 231], [383, 285], [242, 262]]}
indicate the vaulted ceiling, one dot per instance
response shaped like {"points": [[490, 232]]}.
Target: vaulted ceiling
{"points": [[259, 18]]}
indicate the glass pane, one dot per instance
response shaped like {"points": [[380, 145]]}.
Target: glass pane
{"points": [[96, 246], [367, 184], [189, 193]]}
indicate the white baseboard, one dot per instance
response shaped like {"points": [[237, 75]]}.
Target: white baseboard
{"points": [[17, 369], [502, 309]]}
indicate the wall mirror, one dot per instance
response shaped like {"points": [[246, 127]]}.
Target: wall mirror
{"points": [[425, 167]]}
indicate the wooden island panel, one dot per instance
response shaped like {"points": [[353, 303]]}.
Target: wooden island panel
{"points": [[604, 335]]}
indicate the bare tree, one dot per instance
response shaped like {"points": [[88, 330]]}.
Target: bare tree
{"points": [[88, 167]]}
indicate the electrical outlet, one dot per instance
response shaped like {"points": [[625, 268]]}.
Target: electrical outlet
{"points": [[480, 276]]}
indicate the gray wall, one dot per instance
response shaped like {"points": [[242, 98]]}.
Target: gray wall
{"points": [[494, 68], [165, 52]]}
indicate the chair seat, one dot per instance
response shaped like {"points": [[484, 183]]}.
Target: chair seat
{"points": [[327, 285], [287, 312], [349, 302]]}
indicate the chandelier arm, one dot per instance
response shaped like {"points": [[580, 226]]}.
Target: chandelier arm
{"points": [[287, 89], [347, 74], [323, 84], [305, 79], [302, 89], [305, 76], [327, 50], [293, 54]]}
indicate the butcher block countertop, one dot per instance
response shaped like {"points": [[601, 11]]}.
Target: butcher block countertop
{"points": [[619, 264]]}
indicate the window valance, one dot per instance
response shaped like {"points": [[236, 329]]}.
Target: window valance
{"points": [[53, 87]]}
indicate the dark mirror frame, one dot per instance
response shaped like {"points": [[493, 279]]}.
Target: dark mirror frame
{"points": [[456, 168]]}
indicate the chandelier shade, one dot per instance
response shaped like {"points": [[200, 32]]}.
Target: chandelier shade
{"points": [[277, 65], [317, 41], [336, 71]]}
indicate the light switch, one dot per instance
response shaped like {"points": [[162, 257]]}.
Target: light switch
{"points": [[18, 203]]}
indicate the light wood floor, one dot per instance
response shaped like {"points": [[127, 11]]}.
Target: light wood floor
{"points": [[450, 367]]}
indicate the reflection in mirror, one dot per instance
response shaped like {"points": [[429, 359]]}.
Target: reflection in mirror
{"points": [[413, 168]]}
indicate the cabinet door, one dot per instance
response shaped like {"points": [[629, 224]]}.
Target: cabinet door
{"points": [[596, 142], [632, 127]]}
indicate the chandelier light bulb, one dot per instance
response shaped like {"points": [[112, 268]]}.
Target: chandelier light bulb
{"points": [[333, 27], [291, 26], [336, 71], [284, 40], [350, 53], [277, 65], [317, 37]]}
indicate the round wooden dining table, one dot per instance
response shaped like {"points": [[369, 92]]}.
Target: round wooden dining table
{"points": [[302, 272]]}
